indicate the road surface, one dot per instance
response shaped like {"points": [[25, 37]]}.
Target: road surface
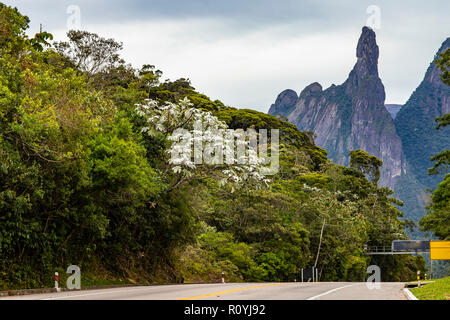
{"points": [[235, 291]]}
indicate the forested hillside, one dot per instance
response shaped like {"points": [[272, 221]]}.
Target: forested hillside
{"points": [[86, 179]]}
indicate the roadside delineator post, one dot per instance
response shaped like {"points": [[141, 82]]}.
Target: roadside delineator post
{"points": [[223, 277], [418, 278], [56, 281]]}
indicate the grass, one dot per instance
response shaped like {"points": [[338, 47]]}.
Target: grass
{"points": [[438, 290]]}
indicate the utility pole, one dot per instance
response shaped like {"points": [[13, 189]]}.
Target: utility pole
{"points": [[320, 243]]}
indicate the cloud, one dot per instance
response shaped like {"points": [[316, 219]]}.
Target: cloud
{"points": [[246, 52], [242, 69]]}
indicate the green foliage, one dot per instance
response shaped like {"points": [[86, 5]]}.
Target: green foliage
{"points": [[444, 64], [366, 164], [82, 184], [89, 52], [442, 162], [443, 121], [442, 159], [12, 29], [40, 40], [438, 218]]}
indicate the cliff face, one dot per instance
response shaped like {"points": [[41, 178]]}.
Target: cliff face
{"points": [[415, 123], [351, 115]]}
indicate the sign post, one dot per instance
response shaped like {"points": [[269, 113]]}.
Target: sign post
{"points": [[431, 271]]}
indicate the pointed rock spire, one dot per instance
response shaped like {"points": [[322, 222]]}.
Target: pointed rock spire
{"points": [[363, 80], [367, 53], [352, 116]]}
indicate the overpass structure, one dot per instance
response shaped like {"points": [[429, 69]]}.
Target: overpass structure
{"points": [[438, 250], [400, 247]]}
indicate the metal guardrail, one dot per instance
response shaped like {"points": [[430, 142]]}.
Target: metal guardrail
{"points": [[380, 250]]}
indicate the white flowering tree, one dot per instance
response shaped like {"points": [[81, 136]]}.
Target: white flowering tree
{"points": [[203, 146]]}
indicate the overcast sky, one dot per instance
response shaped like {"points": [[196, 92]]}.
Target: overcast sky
{"points": [[245, 52]]}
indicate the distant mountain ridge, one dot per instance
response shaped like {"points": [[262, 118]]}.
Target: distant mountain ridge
{"points": [[353, 115], [416, 126]]}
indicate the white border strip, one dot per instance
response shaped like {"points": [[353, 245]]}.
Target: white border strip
{"points": [[330, 291], [409, 294]]}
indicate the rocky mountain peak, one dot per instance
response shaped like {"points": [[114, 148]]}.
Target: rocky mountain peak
{"points": [[367, 52], [312, 88], [284, 103], [350, 116], [287, 94], [433, 72], [445, 45]]}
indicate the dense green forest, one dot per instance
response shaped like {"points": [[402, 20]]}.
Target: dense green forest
{"points": [[86, 179]]}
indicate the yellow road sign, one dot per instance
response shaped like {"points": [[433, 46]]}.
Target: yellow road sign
{"points": [[440, 250]]}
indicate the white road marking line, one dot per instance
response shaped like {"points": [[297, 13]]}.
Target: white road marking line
{"points": [[96, 293], [91, 294], [333, 290], [409, 294]]}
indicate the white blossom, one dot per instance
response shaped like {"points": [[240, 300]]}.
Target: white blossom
{"points": [[213, 136]]}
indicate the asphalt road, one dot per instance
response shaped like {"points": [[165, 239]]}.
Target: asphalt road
{"points": [[235, 291]]}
